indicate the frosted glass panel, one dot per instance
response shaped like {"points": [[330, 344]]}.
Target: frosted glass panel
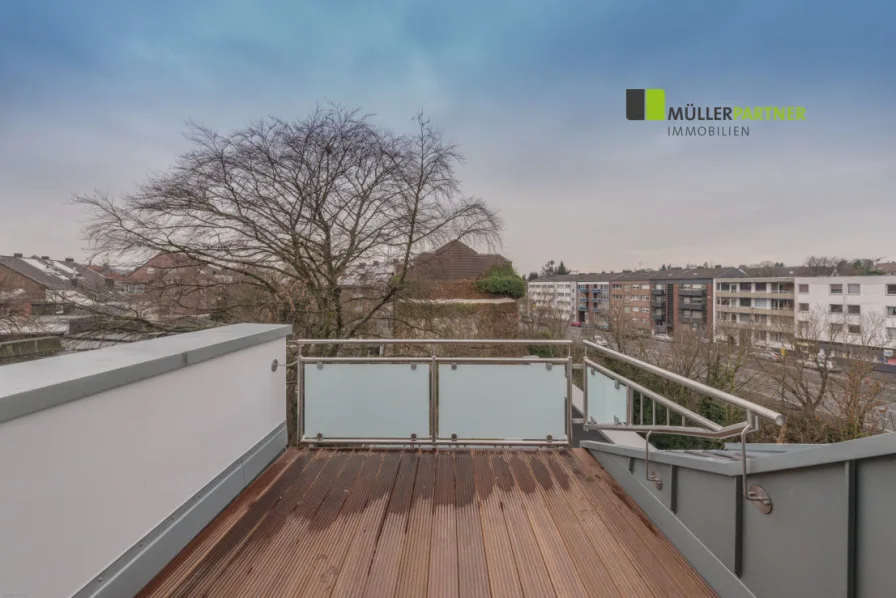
{"points": [[502, 401], [375, 400], [605, 401]]}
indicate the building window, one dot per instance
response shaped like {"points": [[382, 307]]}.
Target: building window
{"points": [[891, 333], [854, 309], [854, 289], [835, 328], [746, 286], [626, 309], [855, 329], [804, 327], [804, 288], [891, 289], [836, 308], [760, 287], [744, 302], [891, 310], [804, 307], [836, 289], [636, 309]]}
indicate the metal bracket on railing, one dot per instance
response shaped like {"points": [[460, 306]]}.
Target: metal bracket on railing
{"points": [[320, 436], [413, 438], [549, 366], [550, 438], [320, 366], [755, 493], [274, 365], [413, 366], [454, 438], [651, 476]]}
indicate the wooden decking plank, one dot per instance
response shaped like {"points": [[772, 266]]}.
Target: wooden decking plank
{"points": [[559, 503], [353, 575], [503, 578], [199, 548], [471, 558], [308, 543], [384, 523], [235, 540], [255, 560], [628, 573], [622, 531], [443, 567], [384, 570], [557, 559], [534, 577], [671, 557], [414, 572], [327, 564], [628, 524]]}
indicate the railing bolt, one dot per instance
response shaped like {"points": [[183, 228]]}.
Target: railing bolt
{"points": [[413, 438], [550, 438], [320, 436], [320, 366], [454, 438], [413, 366], [274, 365]]}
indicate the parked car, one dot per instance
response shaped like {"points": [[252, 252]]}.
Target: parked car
{"points": [[665, 338], [575, 324], [827, 365], [768, 354]]}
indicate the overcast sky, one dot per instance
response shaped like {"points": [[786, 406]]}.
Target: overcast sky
{"points": [[94, 95]]}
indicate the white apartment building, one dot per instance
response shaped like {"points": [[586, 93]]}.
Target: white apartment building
{"points": [[853, 310], [555, 295], [757, 310]]}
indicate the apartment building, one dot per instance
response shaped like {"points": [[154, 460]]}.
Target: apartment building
{"points": [[554, 295], [848, 310], [684, 297], [593, 298], [757, 307], [630, 300]]}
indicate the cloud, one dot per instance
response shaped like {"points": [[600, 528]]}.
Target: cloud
{"points": [[532, 92]]}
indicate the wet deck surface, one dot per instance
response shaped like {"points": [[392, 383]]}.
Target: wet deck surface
{"points": [[446, 523]]}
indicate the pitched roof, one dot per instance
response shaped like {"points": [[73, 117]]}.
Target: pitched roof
{"points": [[56, 275], [454, 261]]}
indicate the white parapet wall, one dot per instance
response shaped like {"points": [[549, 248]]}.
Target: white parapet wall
{"points": [[111, 460]]}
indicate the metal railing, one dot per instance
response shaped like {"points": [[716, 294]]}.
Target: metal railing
{"points": [[700, 426], [434, 362]]}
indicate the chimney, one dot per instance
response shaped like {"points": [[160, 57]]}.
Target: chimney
{"points": [[70, 260], [17, 255], [45, 257], [110, 283]]}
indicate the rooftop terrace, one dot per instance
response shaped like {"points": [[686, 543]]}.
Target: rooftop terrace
{"points": [[161, 468]]}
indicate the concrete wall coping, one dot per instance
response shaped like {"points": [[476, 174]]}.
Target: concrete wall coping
{"points": [[33, 386], [823, 454]]}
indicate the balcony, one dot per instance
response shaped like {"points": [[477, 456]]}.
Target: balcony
{"points": [[758, 295], [736, 309], [658, 303], [425, 469], [692, 306], [691, 292], [656, 291]]}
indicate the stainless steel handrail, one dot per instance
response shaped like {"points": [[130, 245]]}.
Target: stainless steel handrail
{"points": [[710, 429], [709, 391], [435, 361], [427, 341]]}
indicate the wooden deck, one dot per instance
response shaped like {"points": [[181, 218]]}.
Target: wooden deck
{"points": [[325, 522]]}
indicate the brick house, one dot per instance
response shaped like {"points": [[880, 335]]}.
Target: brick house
{"points": [[40, 286], [170, 285], [443, 301]]}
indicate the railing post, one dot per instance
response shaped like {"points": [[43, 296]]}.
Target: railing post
{"points": [[434, 399], [300, 396]]}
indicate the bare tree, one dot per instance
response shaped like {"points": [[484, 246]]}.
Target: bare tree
{"points": [[289, 208], [821, 265]]}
